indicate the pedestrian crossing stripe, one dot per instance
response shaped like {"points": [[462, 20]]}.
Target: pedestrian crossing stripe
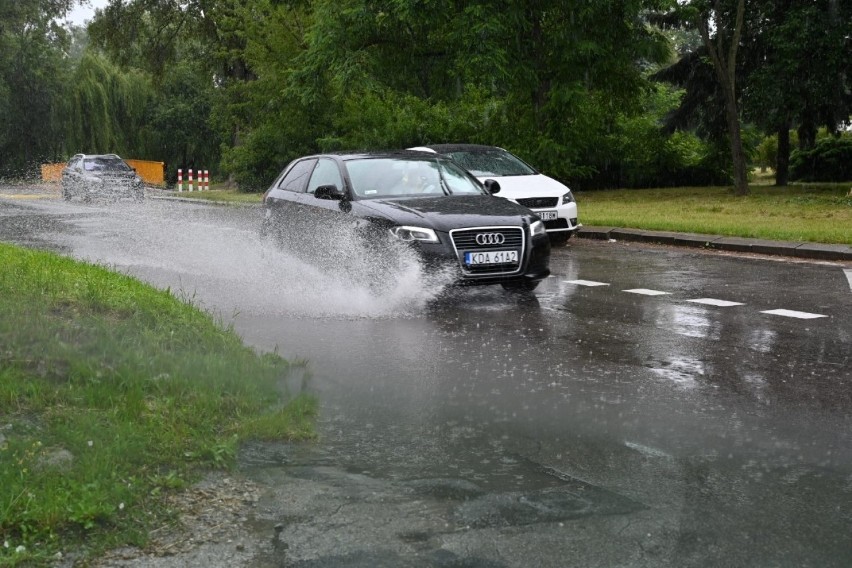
{"points": [[586, 283], [793, 314], [646, 292], [715, 302]]}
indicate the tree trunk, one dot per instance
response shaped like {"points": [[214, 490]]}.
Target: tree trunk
{"points": [[807, 133], [738, 157], [725, 66], [782, 161]]}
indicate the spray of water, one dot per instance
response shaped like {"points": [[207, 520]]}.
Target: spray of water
{"points": [[216, 257]]}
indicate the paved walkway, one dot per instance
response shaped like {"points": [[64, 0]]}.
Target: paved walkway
{"points": [[717, 242]]}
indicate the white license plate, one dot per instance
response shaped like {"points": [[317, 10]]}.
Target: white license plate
{"points": [[490, 257], [547, 215]]}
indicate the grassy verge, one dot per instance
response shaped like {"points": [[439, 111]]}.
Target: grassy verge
{"points": [[113, 393], [225, 195], [805, 212]]}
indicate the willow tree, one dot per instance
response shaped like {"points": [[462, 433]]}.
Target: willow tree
{"points": [[106, 108]]}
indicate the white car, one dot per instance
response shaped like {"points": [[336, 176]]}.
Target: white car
{"points": [[552, 201]]}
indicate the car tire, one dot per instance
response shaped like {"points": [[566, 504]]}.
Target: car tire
{"points": [[66, 195], [521, 286]]}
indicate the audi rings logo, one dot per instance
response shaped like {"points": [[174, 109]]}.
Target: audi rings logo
{"points": [[490, 239]]}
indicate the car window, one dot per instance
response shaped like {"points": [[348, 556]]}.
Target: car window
{"points": [[74, 163], [492, 163], [457, 180], [404, 177], [105, 164], [297, 178], [326, 173]]}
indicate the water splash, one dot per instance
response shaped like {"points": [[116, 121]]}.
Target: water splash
{"points": [[217, 257]]}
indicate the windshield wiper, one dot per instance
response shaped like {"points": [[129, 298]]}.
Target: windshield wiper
{"points": [[444, 186]]}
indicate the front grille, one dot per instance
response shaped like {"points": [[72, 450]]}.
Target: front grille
{"points": [[464, 240], [556, 224], [539, 202]]}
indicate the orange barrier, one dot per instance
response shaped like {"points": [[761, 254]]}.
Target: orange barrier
{"points": [[150, 172], [52, 172]]}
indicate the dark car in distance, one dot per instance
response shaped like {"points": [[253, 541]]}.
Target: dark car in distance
{"points": [[100, 176], [424, 200]]}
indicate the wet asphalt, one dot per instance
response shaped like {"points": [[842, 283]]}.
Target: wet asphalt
{"points": [[646, 406]]}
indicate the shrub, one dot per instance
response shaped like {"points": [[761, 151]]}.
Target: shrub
{"points": [[829, 160]]}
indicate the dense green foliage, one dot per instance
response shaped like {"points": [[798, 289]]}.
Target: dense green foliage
{"points": [[112, 393], [829, 160], [243, 87]]}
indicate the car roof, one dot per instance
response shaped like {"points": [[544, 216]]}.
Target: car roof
{"points": [[447, 148], [88, 156], [367, 154]]}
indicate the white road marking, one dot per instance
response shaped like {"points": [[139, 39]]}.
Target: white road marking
{"points": [[586, 283], [793, 314], [646, 292], [848, 273], [715, 302]]}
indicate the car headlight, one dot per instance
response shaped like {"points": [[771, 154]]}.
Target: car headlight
{"points": [[568, 198], [536, 228], [408, 234]]}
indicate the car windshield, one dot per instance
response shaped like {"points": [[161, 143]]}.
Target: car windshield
{"points": [[374, 178], [491, 163], [105, 164]]}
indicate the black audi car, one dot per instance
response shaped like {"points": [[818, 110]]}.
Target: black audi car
{"points": [[427, 201]]}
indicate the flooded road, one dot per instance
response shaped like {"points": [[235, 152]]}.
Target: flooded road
{"points": [[645, 406]]}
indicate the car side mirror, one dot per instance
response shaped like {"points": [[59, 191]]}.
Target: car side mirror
{"points": [[329, 192], [491, 186]]}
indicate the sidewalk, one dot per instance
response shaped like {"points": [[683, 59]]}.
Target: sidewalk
{"points": [[716, 242]]}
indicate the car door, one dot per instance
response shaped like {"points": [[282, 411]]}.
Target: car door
{"points": [[333, 215], [285, 209]]}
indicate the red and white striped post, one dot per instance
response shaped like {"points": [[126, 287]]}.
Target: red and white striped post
{"points": [[190, 180], [206, 180], [180, 179]]}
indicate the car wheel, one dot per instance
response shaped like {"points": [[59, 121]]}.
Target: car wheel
{"points": [[521, 286], [66, 194]]}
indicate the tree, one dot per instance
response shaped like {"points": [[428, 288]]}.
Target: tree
{"points": [[33, 76], [536, 68], [788, 89], [721, 29], [106, 107]]}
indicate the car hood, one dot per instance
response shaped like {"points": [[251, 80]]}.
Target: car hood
{"points": [[518, 187], [447, 213]]}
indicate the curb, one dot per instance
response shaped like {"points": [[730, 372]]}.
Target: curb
{"points": [[718, 242]]}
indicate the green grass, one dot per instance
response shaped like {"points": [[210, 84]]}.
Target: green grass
{"points": [[819, 213], [145, 392], [221, 194]]}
